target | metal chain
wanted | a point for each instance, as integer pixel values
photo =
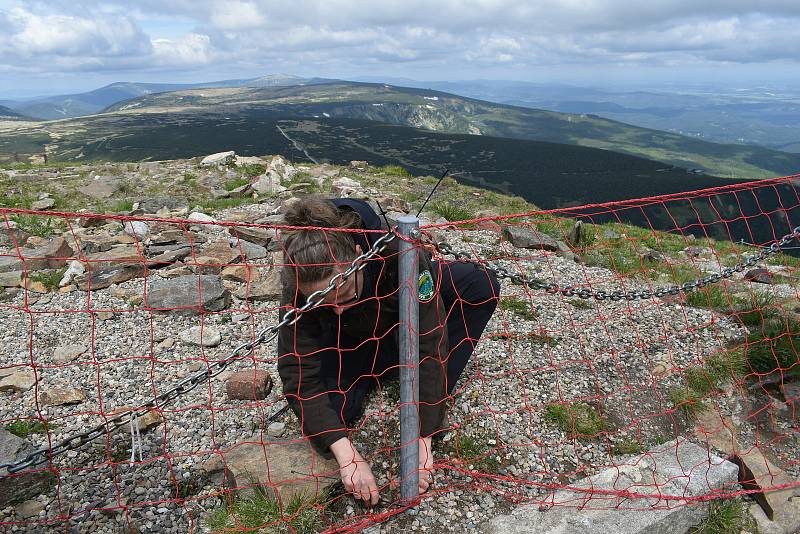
(644, 294)
(266, 335)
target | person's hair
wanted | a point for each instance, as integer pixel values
(311, 254)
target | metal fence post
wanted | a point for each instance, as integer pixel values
(408, 228)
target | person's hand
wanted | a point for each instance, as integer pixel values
(425, 464)
(356, 474)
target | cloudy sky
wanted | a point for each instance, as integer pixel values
(60, 46)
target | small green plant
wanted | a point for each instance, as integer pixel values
(626, 446)
(542, 338)
(476, 451)
(581, 304)
(262, 512)
(518, 306)
(38, 225)
(713, 296)
(577, 419)
(251, 171)
(25, 427)
(122, 205)
(233, 183)
(49, 279)
(394, 170)
(725, 517)
(452, 212)
(190, 180)
(774, 346)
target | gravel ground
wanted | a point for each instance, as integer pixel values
(622, 358)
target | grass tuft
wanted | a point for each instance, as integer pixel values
(49, 279)
(518, 306)
(577, 419)
(233, 183)
(394, 170)
(262, 512)
(725, 517)
(24, 427)
(688, 401)
(452, 212)
(476, 451)
(626, 446)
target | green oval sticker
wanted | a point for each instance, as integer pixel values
(425, 286)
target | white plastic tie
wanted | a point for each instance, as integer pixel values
(136, 439)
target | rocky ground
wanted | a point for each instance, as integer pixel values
(79, 346)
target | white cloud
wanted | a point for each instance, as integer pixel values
(261, 36)
(191, 50)
(234, 15)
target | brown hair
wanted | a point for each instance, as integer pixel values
(311, 255)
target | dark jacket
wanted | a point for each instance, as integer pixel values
(304, 346)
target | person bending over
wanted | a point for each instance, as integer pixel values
(335, 354)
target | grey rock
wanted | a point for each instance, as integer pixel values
(21, 380)
(154, 204)
(62, 396)
(106, 277)
(44, 204)
(74, 270)
(101, 187)
(52, 255)
(169, 256)
(525, 237)
(679, 468)
(259, 236)
(276, 429)
(759, 276)
(139, 229)
(14, 278)
(68, 353)
(220, 158)
(29, 509)
(576, 235)
(201, 336)
(15, 489)
(268, 288)
(189, 295)
(269, 183)
(251, 251)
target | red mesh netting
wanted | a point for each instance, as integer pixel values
(566, 401)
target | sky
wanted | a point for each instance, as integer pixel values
(65, 46)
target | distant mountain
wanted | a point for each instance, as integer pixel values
(763, 116)
(444, 112)
(10, 114)
(82, 104)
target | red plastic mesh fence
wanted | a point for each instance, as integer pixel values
(565, 402)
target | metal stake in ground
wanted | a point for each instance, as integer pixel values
(408, 228)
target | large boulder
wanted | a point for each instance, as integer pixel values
(660, 479)
(19, 487)
(101, 187)
(286, 469)
(220, 158)
(525, 237)
(259, 236)
(108, 276)
(188, 295)
(53, 255)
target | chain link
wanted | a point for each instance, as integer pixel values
(585, 293)
(186, 385)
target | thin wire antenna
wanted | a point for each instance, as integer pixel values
(383, 214)
(446, 172)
